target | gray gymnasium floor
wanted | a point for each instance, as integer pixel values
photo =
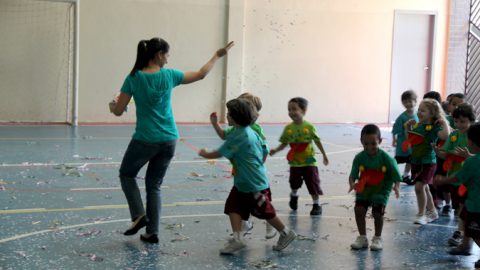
(62, 208)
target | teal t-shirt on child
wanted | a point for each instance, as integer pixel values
(469, 176)
(152, 93)
(399, 130)
(244, 148)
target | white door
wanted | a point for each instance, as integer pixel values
(411, 58)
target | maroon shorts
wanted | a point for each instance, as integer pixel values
(423, 172)
(472, 224)
(257, 204)
(376, 208)
(309, 174)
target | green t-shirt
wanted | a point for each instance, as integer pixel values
(256, 127)
(382, 161)
(152, 93)
(244, 148)
(399, 130)
(455, 139)
(469, 176)
(451, 121)
(424, 153)
(304, 133)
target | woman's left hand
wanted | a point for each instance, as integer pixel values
(223, 51)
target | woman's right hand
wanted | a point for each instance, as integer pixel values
(223, 51)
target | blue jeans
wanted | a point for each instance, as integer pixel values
(158, 156)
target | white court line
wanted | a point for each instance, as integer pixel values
(39, 164)
(20, 236)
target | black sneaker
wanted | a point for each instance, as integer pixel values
(477, 264)
(153, 238)
(446, 211)
(293, 202)
(316, 210)
(407, 180)
(139, 223)
(459, 251)
(456, 239)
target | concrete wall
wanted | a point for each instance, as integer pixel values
(335, 53)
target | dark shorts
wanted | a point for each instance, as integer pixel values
(439, 170)
(423, 172)
(257, 204)
(308, 174)
(403, 159)
(376, 208)
(472, 224)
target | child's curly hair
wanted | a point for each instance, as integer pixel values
(253, 99)
(242, 111)
(435, 108)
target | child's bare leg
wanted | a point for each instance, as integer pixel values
(360, 213)
(408, 168)
(276, 223)
(235, 222)
(315, 198)
(430, 205)
(421, 197)
(378, 220)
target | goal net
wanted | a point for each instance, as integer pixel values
(36, 60)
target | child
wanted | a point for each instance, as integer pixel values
(223, 133)
(301, 157)
(376, 173)
(455, 151)
(431, 126)
(468, 175)
(250, 193)
(453, 101)
(409, 100)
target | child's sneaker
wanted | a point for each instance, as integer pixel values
(284, 240)
(377, 243)
(247, 227)
(460, 251)
(232, 246)
(421, 219)
(293, 202)
(446, 210)
(477, 264)
(456, 239)
(360, 243)
(270, 231)
(316, 210)
(432, 216)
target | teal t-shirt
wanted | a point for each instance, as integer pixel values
(455, 139)
(382, 161)
(256, 127)
(304, 133)
(469, 176)
(399, 130)
(244, 148)
(424, 153)
(152, 93)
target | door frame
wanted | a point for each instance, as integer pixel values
(397, 12)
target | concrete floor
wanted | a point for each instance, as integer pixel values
(61, 207)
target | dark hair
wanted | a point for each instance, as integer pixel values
(473, 134)
(409, 95)
(242, 111)
(300, 101)
(458, 95)
(433, 95)
(146, 50)
(371, 129)
(464, 110)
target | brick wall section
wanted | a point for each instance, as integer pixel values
(457, 45)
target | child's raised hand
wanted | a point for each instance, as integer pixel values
(213, 118)
(462, 151)
(223, 51)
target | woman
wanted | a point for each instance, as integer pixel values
(154, 140)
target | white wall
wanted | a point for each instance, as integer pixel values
(335, 53)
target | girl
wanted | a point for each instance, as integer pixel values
(376, 173)
(431, 126)
(301, 157)
(151, 85)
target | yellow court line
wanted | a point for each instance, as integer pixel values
(175, 204)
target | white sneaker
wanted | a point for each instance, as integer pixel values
(270, 231)
(232, 246)
(284, 240)
(432, 216)
(377, 243)
(360, 243)
(421, 219)
(247, 227)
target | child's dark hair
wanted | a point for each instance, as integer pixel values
(370, 129)
(409, 95)
(300, 101)
(146, 50)
(464, 110)
(242, 111)
(473, 134)
(433, 95)
(458, 95)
